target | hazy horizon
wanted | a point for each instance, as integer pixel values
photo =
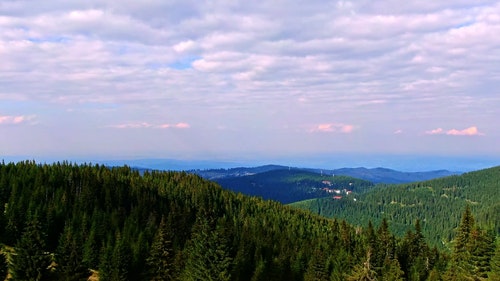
(404, 163)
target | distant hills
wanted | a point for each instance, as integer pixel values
(384, 175)
(375, 175)
(291, 185)
(287, 184)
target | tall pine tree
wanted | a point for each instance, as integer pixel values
(30, 260)
(161, 258)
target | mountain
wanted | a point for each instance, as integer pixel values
(436, 203)
(214, 174)
(384, 175)
(291, 185)
(375, 175)
(287, 184)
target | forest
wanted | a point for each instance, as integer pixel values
(291, 185)
(64, 221)
(437, 203)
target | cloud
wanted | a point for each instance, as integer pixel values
(471, 131)
(177, 126)
(437, 131)
(140, 125)
(398, 132)
(227, 62)
(332, 127)
(20, 119)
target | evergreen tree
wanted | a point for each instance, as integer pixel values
(3, 266)
(121, 260)
(392, 271)
(105, 263)
(317, 270)
(161, 258)
(494, 274)
(68, 257)
(91, 250)
(460, 266)
(30, 260)
(481, 249)
(363, 272)
(207, 254)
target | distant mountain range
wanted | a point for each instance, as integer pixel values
(291, 185)
(375, 175)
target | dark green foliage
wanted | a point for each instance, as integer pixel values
(30, 260)
(473, 250)
(68, 257)
(208, 253)
(3, 266)
(317, 268)
(161, 258)
(363, 272)
(438, 204)
(494, 274)
(120, 223)
(287, 186)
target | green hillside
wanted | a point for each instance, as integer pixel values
(291, 185)
(437, 203)
(66, 222)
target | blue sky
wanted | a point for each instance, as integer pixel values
(244, 80)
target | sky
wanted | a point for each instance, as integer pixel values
(247, 80)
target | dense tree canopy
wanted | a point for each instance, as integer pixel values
(437, 203)
(177, 226)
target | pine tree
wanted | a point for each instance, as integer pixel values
(161, 258)
(494, 274)
(317, 270)
(392, 271)
(3, 266)
(121, 260)
(30, 260)
(460, 267)
(91, 250)
(363, 272)
(69, 257)
(207, 254)
(481, 247)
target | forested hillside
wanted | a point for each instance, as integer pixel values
(292, 185)
(66, 222)
(437, 203)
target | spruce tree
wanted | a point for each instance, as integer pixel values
(69, 257)
(207, 253)
(392, 270)
(494, 274)
(161, 258)
(363, 272)
(317, 268)
(460, 266)
(30, 260)
(3, 266)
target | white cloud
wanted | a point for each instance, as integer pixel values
(14, 120)
(471, 131)
(215, 63)
(139, 125)
(333, 127)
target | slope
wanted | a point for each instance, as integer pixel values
(437, 203)
(291, 185)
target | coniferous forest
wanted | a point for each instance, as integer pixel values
(71, 222)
